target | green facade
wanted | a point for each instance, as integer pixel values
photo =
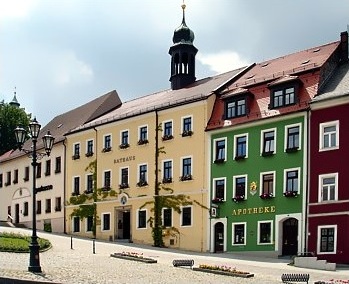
(248, 221)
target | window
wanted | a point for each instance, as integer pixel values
(236, 108)
(38, 207)
(89, 223)
(25, 208)
(15, 176)
(106, 180)
(220, 151)
(48, 168)
(124, 139)
(38, 170)
(124, 178)
(291, 177)
(268, 142)
(143, 175)
(219, 189)
(142, 219)
(143, 135)
(89, 148)
(240, 150)
(239, 233)
(186, 169)
(327, 239)
(76, 153)
(89, 183)
(26, 174)
(329, 135)
(167, 171)
(48, 205)
(167, 131)
(105, 221)
(283, 97)
(187, 126)
(8, 179)
(58, 165)
(239, 188)
(76, 224)
(0, 180)
(167, 217)
(292, 138)
(328, 187)
(268, 183)
(186, 216)
(76, 186)
(107, 143)
(265, 233)
(58, 205)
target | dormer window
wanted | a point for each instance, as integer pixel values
(283, 97)
(284, 92)
(235, 108)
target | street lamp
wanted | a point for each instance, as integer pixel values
(21, 137)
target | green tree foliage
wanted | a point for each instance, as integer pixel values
(11, 116)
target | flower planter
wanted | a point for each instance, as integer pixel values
(291, 194)
(134, 257)
(221, 272)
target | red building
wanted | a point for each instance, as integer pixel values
(328, 207)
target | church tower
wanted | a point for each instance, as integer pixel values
(182, 56)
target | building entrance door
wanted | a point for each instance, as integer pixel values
(17, 213)
(123, 224)
(290, 237)
(219, 237)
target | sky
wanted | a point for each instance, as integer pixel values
(60, 54)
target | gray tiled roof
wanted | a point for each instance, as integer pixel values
(337, 86)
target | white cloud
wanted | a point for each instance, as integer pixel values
(222, 61)
(16, 8)
(69, 69)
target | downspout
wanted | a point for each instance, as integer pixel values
(64, 187)
(306, 211)
(95, 187)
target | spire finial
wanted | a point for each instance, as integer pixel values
(183, 8)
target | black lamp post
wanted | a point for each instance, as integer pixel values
(21, 137)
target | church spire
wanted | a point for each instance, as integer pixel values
(14, 101)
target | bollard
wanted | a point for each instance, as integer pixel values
(94, 246)
(71, 242)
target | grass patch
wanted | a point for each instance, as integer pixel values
(11, 242)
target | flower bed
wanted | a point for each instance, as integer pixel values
(134, 256)
(223, 270)
(332, 281)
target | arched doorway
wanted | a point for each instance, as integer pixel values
(290, 236)
(219, 237)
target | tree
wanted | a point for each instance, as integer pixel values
(11, 116)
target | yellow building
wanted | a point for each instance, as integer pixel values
(124, 144)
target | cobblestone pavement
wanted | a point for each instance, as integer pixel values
(62, 264)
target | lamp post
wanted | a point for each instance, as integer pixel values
(48, 140)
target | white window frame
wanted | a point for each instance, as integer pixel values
(299, 125)
(214, 187)
(318, 245)
(73, 184)
(163, 127)
(271, 232)
(192, 123)
(77, 143)
(299, 179)
(139, 172)
(139, 131)
(137, 219)
(233, 233)
(234, 184)
(73, 223)
(163, 168)
(102, 221)
(86, 181)
(111, 140)
(215, 150)
(191, 165)
(235, 143)
(103, 177)
(163, 221)
(321, 177)
(128, 176)
(262, 139)
(191, 217)
(86, 225)
(128, 132)
(261, 181)
(93, 145)
(321, 134)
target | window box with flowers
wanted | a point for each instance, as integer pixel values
(124, 146)
(134, 256)
(142, 183)
(76, 157)
(268, 154)
(88, 191)
(239, 158)
(167, 180)
(75, 193)
(292, 150)
(217, 200)
(219, 161)
(266, 195)
(142, 142)
(291, 193)
(106, 188)
(187, 133)
(238, 198)
(223, 270)
(167, 137)
(186, 177)
(123, 186)
(89, 154)
(106, 149)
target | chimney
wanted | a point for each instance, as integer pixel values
(344, 47)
